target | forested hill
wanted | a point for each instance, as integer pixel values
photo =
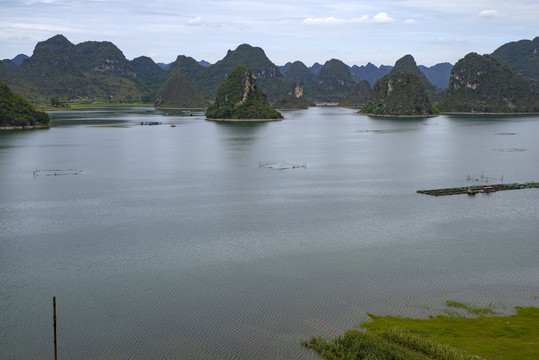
(521, 57)
(485, 84)
(240, 98)
(17, 112)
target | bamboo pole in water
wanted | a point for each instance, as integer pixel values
(54, 324)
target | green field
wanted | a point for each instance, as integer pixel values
(446, 337)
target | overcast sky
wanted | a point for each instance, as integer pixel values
(356, 32)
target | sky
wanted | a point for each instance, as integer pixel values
(354, 31)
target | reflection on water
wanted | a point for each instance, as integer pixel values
(174, 243)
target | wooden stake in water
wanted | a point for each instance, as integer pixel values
(54, 324)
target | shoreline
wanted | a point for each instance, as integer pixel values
(400, 116)
(29, 127)
(488, 113)
(243, 120)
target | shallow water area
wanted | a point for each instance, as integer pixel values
(173, 241)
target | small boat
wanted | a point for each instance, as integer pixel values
(473, 191)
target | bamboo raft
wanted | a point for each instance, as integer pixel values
(472, 190)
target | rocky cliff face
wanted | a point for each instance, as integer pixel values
(294, 99)
(240, 98)
(399, 93)
(485, 84)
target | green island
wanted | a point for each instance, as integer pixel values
(239, 99)
(17, 113)
(455, 335)
(403, 92)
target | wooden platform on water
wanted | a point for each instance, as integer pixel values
(479, 189)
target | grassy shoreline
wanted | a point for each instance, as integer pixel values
(481, 334)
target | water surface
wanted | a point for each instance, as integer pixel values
(173, 243)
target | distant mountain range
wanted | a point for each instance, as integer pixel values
(99, 72)
(96, 71)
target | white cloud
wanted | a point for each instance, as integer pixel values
(489, 14)
(382, 18)
(409, 22)
(323, 21)
(195, 21)
(362, 20)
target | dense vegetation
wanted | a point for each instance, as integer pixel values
(521, 57)
(358, 96)
(485, 84)
(15, 111)
(399, 93)
(407, 64)
(443, 337)
(294, 99)
(63, 74)
(239, 98)
(206, 80)
(298, 70)
(150, 77)
(62, 70)
(334, 82)
(177, 92)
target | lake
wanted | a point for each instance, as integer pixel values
(178, 243)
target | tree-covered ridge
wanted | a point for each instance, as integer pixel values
(359, 95)
(298, 70)
(369, 72)
(206, 80)
(15, 111)
(294, 99)
(407, 63)
(177, 92)
(149, 76)
(399, 93)
(520, 56)
(333, 82)
(485, 84)
(89, 70)
(240, 98)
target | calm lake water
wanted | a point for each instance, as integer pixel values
(172, 243)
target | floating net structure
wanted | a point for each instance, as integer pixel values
(283, 165)
(57, 172)
(484, 178)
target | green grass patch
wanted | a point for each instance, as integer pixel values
(488, 310)
(441, 337)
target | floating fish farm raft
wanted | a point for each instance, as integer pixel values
(472, 190)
